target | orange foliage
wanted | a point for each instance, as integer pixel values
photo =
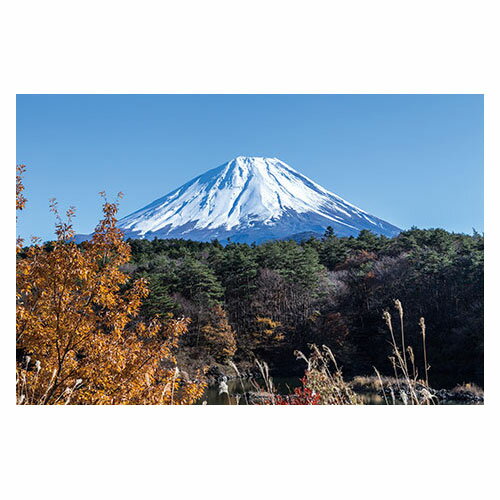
(79, 338)
(20, 199)
(218, 334)
(268, 330)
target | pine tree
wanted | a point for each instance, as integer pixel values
(198, 283)
(329, 233)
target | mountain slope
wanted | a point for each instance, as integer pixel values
(249, 199)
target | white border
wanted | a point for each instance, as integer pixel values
(257, 47)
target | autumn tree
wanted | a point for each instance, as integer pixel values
(263, 334)
(20, 199)
(79, 339)
(218, 335)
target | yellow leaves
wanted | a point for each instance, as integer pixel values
(20, 199)
(219, 335)
(267, 323)
(75, 317)
(269, 329)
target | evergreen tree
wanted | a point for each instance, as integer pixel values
(329, 233)
(198, 283)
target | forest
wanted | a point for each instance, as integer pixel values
(266, 301)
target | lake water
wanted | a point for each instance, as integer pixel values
(284, 385)
(237, 389)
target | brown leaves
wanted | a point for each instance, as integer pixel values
(75, 320)
(20, 199)
(219, 335)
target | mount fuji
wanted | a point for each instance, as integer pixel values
(250, 199)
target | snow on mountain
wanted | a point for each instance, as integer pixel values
(249, 199)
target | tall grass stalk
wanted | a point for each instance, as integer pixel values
(268, 381)
(426, 366)
(411, 390)
(399, 307)
(235, 368)
(324, 378)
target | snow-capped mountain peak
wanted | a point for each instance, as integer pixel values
(249, 199)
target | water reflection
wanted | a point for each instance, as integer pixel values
(238, 391)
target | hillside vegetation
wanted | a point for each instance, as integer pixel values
(266, 301)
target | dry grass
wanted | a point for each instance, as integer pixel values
(468, 388)
(238, 374)
(323, 382)
(31, 389)
(324, 377)
(407, 388)
(373, 383)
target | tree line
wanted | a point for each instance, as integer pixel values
(266, 301)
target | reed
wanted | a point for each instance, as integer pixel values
(411, 389)
(426, 366)
(323, 382)
(238, 374)
(399, 307)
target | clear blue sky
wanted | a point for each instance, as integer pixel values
(413, 160)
